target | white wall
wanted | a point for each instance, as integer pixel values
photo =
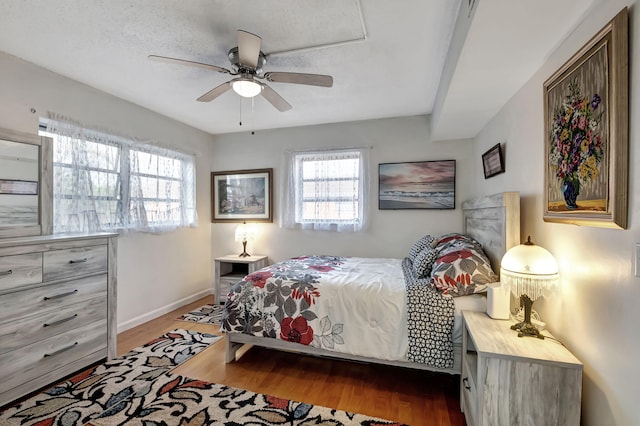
(596, 310)
(155, 272)
(390, 232)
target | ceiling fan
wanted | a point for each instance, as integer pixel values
(247, 61)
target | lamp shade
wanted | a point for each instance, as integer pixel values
(245, 87)
(529, 270)
(245, 232)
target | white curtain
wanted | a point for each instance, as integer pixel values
(104, 182)
(326, 190)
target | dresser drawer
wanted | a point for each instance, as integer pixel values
(51, 297)
(21, 269)
(74, 262)
(30, 362)
(20, 332)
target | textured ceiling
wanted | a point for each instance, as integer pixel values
(386, 58)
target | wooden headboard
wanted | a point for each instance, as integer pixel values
(494, 221)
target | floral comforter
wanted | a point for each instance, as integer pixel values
(345, 304)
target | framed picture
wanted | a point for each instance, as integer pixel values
(18, 187)
(242, 195)
(492, 161)
(586, 133)
(417, 185)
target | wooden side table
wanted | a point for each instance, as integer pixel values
(510, 380)
(231, 269)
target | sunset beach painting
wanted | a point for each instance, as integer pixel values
(417, 185)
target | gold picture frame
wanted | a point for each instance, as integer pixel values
(242, 195)
(586, 128)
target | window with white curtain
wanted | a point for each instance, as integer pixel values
(327, 190)
(104, 182)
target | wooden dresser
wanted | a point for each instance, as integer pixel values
(57, 308)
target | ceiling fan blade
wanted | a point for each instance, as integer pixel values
(248, 48)
(300, 78)
(215, 92)
(274, 99)
(189, 63)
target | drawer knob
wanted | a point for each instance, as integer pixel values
(57, 296)
(78, 260)
(59, 351)
(9, 272)
(465, 382)
(49, 324)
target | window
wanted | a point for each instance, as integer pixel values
(327, 190)
(107, 183)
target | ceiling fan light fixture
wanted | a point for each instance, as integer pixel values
(247, 88)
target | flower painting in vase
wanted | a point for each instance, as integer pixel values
(586, 132)
(576, 149)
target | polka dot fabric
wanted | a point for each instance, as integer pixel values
(429, 321)
(423, 262)
(420, 245)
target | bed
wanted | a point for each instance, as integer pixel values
(401, 314)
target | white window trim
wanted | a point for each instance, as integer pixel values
(125, 222)
(292, 194)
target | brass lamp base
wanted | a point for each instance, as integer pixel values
(244, 250)
(525, 328)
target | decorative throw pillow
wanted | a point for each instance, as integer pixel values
(419, 245)
(461, 271)
(424, 262)
(448, 241)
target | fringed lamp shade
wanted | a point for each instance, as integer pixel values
(530, 271)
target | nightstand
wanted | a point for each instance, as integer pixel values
(510, 380)
(232, 268)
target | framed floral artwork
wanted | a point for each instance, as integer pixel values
(586, 133)
(242, 195)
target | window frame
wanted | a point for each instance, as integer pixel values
(295, 214)
(124, 221)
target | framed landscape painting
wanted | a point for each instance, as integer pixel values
(242, 195)
(586, 133)
(417, 185)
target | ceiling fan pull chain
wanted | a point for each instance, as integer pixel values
(252, 115)
(240, 110)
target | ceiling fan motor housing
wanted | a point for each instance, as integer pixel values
(234, 58)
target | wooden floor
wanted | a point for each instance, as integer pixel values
(407, 396)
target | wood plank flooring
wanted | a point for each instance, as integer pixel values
(407, 396)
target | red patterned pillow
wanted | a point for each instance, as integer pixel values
(462, 270)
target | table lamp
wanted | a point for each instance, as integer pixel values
(530, 271)
(245, 233)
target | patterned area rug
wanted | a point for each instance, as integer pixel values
(207, 314)
(139, 389)
(108, 387)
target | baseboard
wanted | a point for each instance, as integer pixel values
(161, 311)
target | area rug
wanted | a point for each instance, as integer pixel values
(107, 386)
(139, 389)
(207, 314)
(178, 400)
